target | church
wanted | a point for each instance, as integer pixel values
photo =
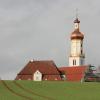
(48, 71)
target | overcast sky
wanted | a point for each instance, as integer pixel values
(40, 30)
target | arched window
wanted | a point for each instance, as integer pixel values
(74, 62)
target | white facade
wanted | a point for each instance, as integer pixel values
(37, 76)
(76, 61)
(76, 47)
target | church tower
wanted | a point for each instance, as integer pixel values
(77, 56)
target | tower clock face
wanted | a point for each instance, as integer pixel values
(76, 26)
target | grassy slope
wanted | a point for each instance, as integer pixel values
(51, 91)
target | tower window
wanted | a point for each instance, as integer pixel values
(81, 44)
(81, 52)
(74, 62)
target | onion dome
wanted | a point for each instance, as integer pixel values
(77, 35)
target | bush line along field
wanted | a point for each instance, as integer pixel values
(46, 90)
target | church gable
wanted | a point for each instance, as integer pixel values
(37, 76)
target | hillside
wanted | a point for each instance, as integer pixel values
(30, 90)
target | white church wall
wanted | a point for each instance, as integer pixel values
(76, 47)
(76, 61)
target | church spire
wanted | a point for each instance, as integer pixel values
(77, 56)
(76, 21)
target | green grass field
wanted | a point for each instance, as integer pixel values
(30, 90)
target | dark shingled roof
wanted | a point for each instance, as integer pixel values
(45, 67)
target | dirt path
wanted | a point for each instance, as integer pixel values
(30, 91)
(15, 93)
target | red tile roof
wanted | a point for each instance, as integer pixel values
(74, 73)
(73, 70)
(45, 67)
